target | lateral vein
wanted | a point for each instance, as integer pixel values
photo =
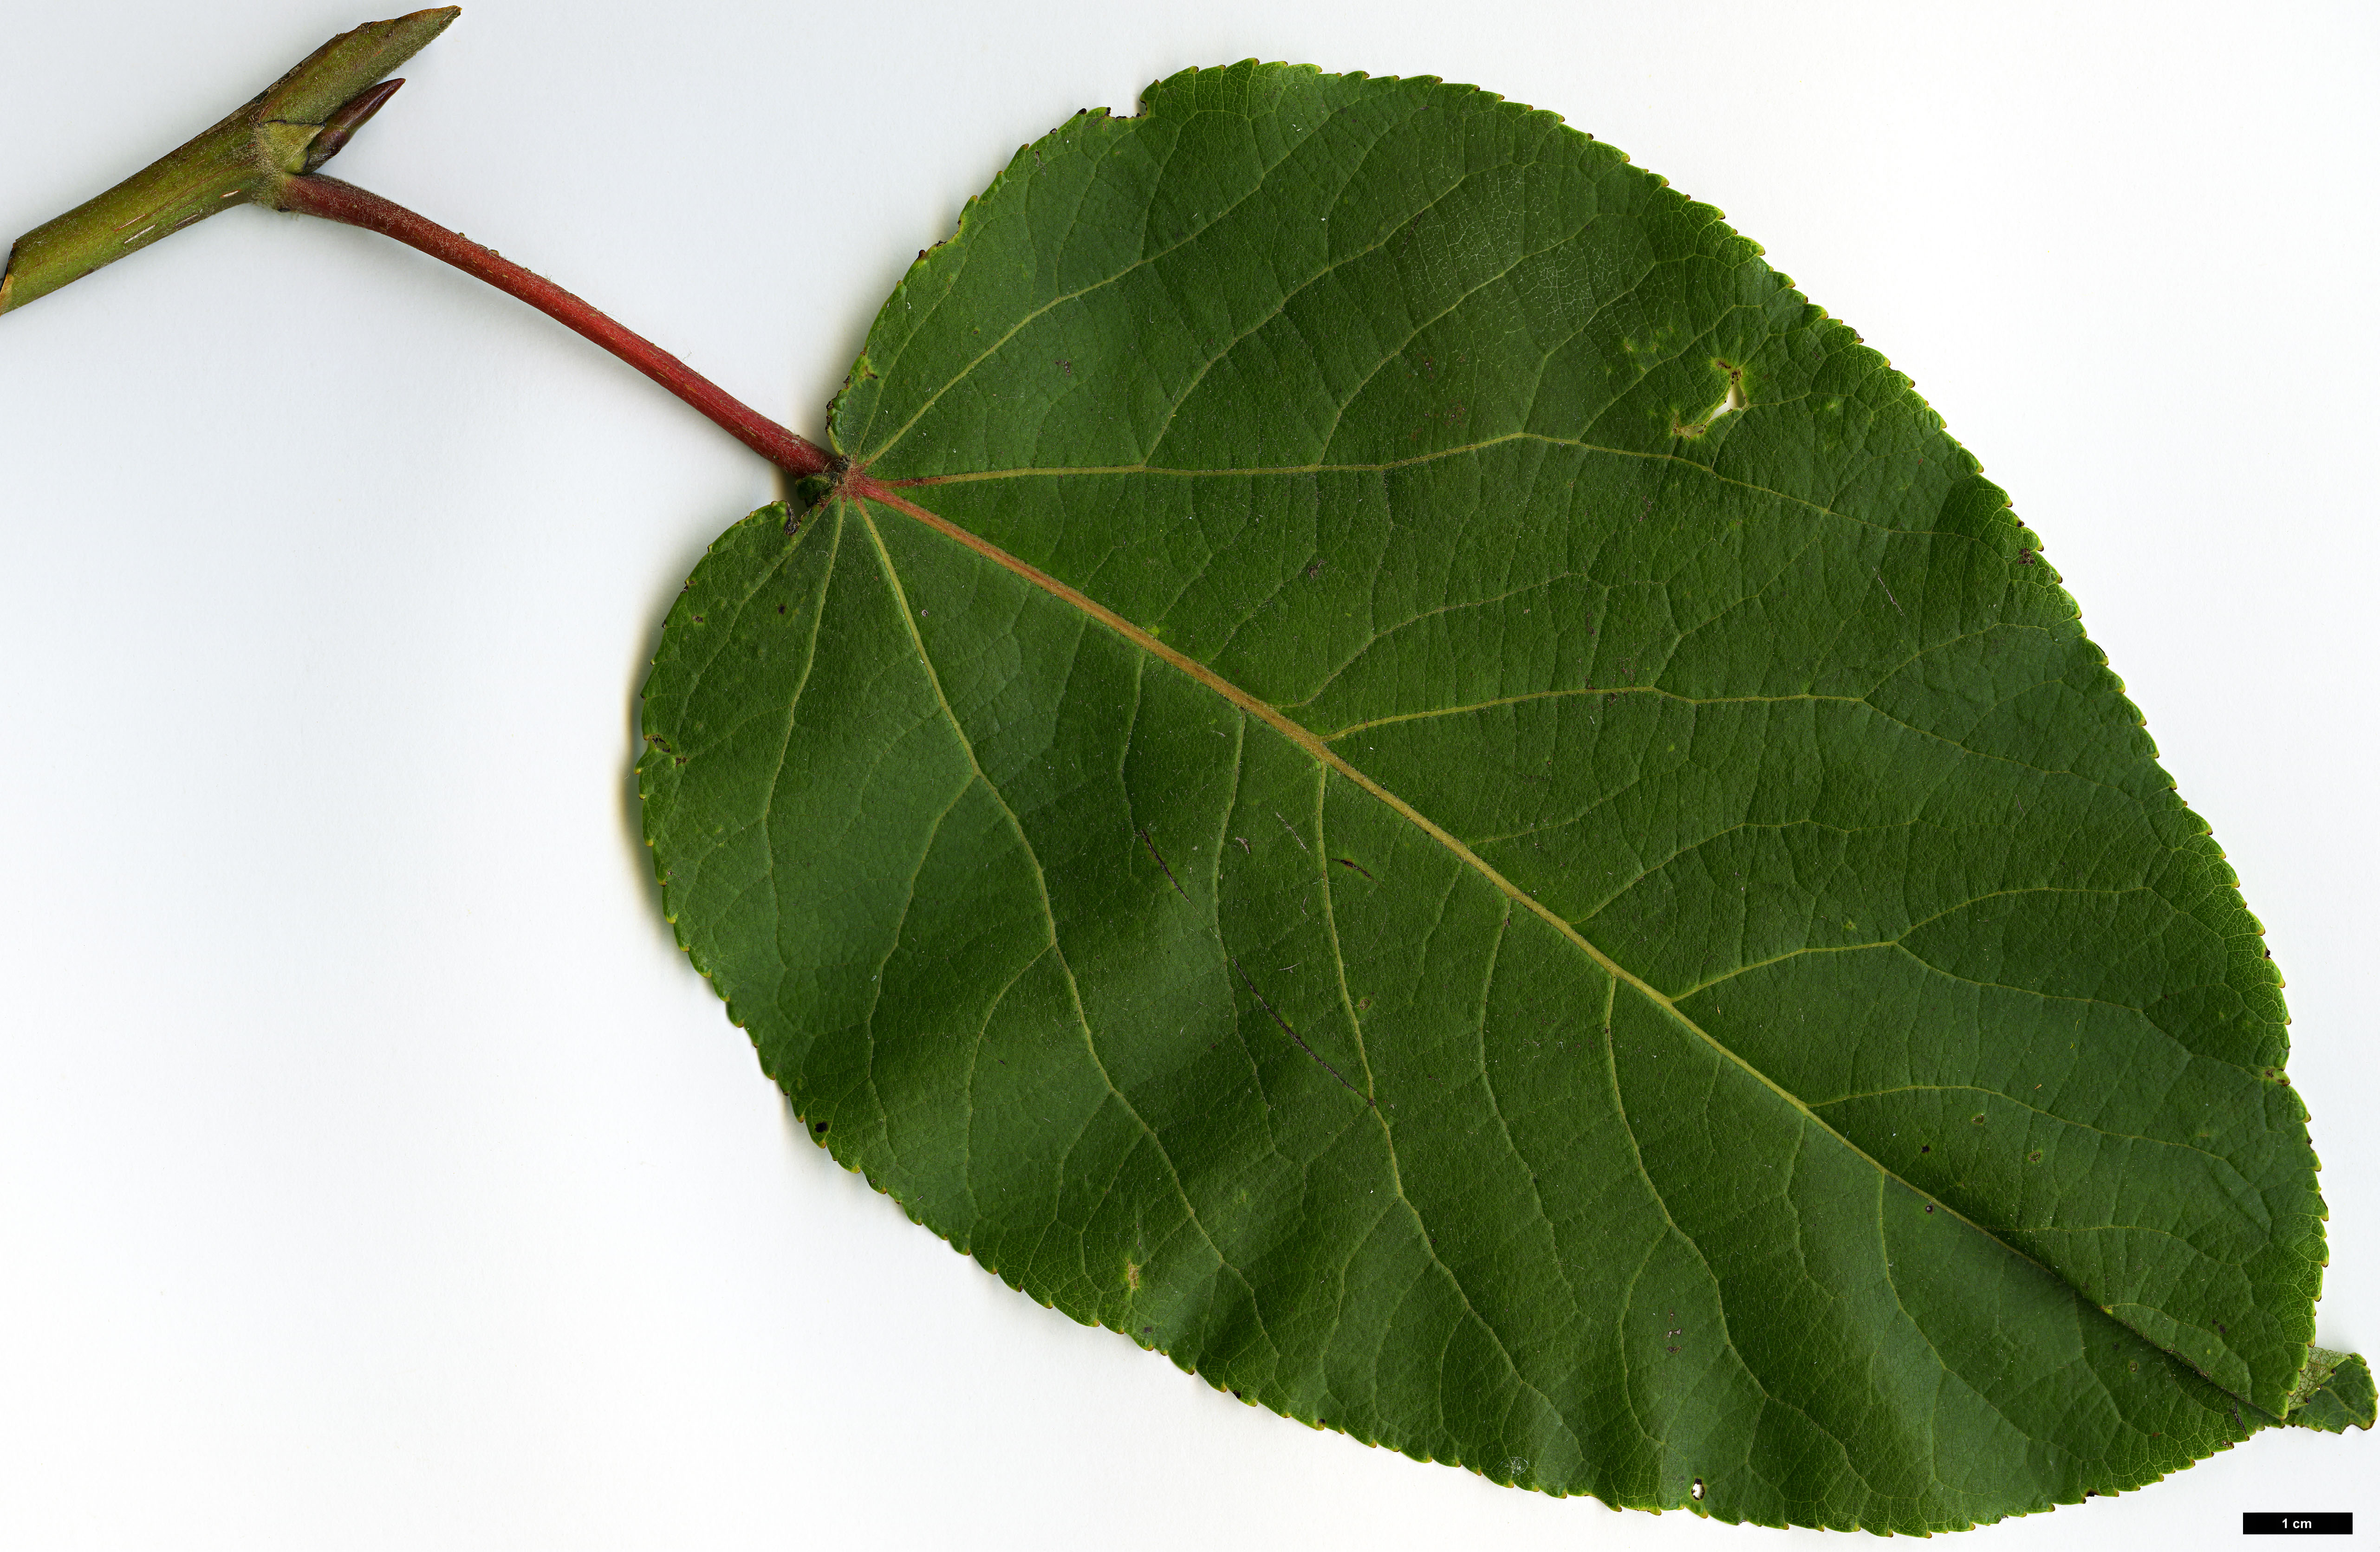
(866, 489)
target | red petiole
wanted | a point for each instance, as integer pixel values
(334, 200)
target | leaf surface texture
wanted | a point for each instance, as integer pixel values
(1404, 776)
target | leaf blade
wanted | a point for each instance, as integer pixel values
(1836, 719)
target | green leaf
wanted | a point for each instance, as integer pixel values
(1397, 771)
(2334, 1393)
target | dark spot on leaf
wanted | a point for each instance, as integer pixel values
(1926, 1147)
(1979, 1119)
(1351, 862)
(2034, 1158)
(1929, 1206)
(818, 1127)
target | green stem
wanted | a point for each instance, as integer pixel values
(292, 126)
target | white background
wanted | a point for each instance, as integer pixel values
(373, 1171)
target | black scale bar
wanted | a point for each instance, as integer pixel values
(2297, 1524)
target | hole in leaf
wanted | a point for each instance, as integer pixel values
(1732, 402)
(1698, 1489)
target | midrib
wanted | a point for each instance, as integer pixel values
(860, 486)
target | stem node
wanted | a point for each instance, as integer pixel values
(292, 126)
